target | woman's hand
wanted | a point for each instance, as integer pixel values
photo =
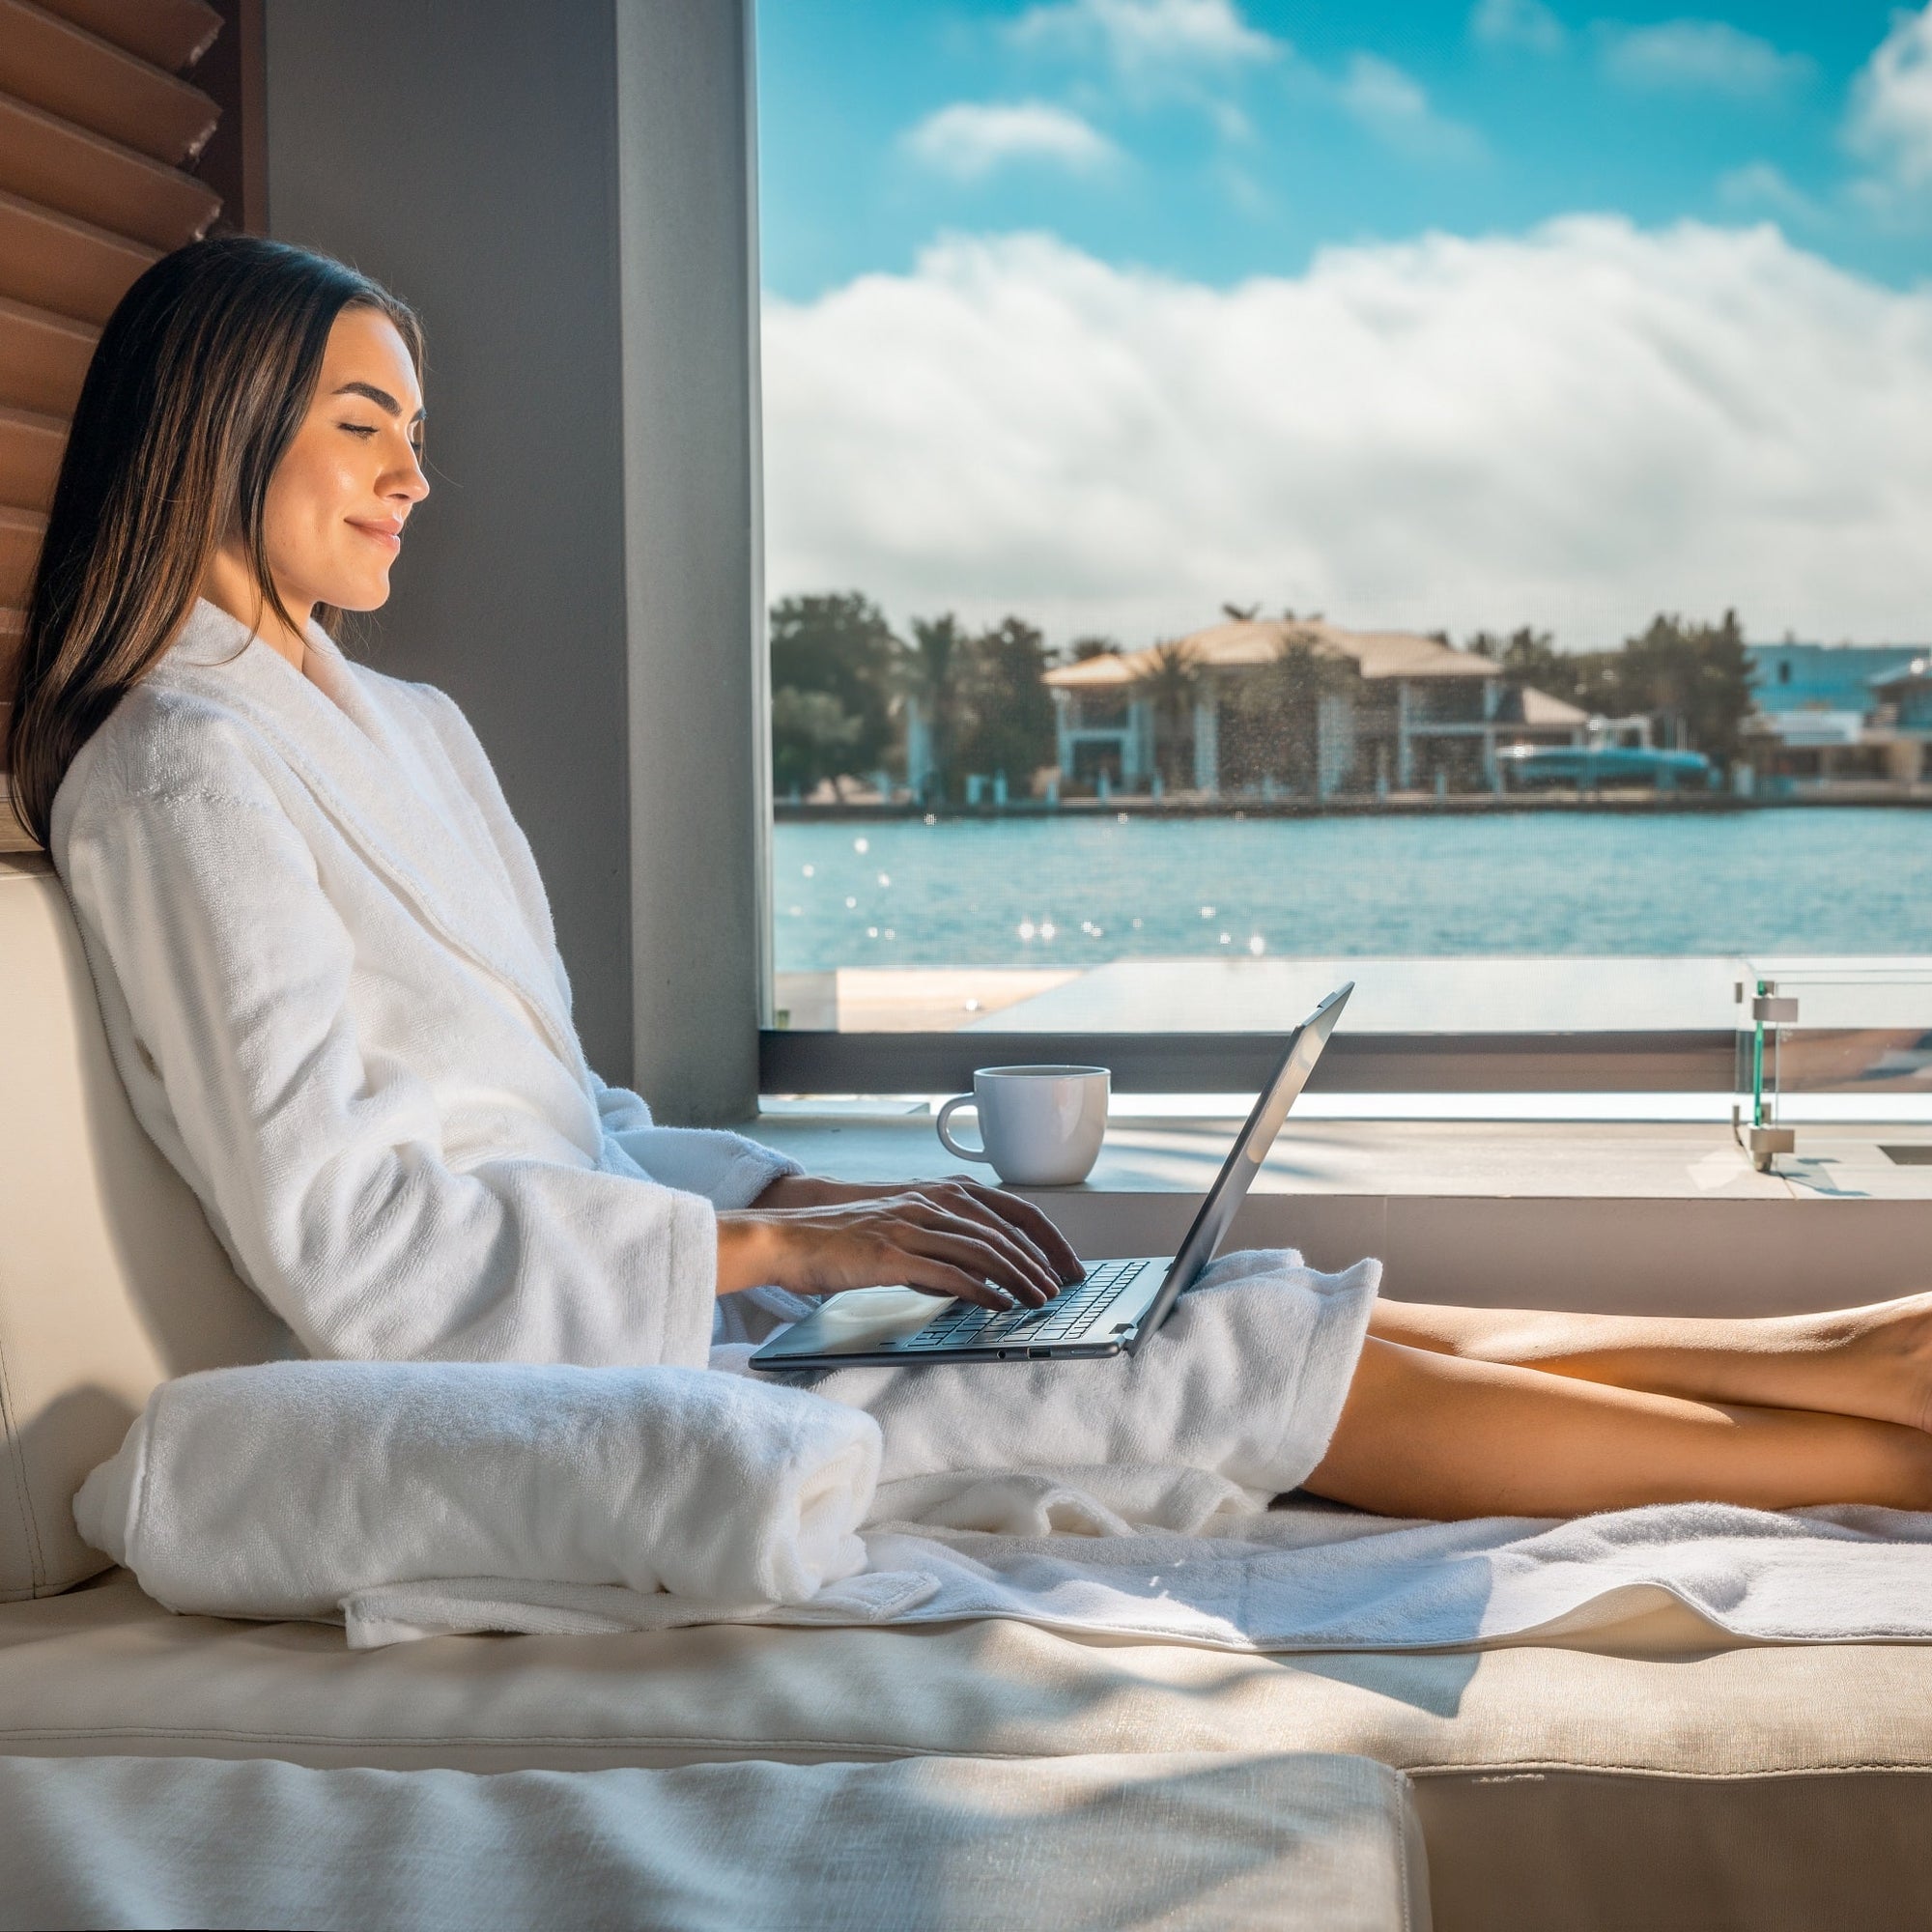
(946, 1238)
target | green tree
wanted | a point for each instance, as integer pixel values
(934, 671)
(1007, 722)
(1594, 680)
(839, 644)
(1695, 681)
(813, 738)
(1275, 713)
(1170, 679)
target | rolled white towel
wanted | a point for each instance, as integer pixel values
(280, 1491)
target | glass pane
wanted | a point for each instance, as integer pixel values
(1259, 495)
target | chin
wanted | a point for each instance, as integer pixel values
(362, 595)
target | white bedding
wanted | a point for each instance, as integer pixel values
(1306, 1578)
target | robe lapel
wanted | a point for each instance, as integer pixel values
(369, 777)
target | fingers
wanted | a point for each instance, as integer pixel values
(951, 1239)
(1013, 1262)
(1012, 1211)
(937, 1277)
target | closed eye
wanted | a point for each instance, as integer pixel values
(358, 429)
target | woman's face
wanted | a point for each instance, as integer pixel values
(346, 484)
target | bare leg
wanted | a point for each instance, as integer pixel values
(1428, 1434)
(1874, 1362)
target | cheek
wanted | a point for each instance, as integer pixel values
(307, 541)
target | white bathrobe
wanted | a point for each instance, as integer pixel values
(331, 987)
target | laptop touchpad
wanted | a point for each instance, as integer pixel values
(870, 1318)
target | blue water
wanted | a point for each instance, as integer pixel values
(1076, 891)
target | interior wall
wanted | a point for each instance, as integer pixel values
(462, 152)
(563, 191)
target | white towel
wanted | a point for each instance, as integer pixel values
(281, 1491)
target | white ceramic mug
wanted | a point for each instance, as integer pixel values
(1042, 1126)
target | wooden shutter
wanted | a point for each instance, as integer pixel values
(99, 136)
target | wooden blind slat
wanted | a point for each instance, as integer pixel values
(63, 167)
(173, 34)
(67, 72)
(21, 533)
(51, 261)
(13, 836)
(43, 359)
(30, 454)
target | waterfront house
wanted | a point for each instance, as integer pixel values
(1384, 710)
(1839, 714)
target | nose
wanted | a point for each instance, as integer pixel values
(408, 486)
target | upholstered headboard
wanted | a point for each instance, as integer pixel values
(110, 1280)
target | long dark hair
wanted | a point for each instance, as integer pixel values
(202, 376)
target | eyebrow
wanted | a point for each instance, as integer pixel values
(381, 398)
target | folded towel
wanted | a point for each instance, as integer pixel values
(458, 1605)
(280, 1491)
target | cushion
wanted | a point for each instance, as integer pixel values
(1272, 1843)
(110, 1280)
(1669, 1781)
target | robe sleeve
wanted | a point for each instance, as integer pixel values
(728, 1170)
(321, 1165)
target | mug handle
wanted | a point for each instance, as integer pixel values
(946, 1140)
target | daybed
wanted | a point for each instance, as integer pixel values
(1664, 1778)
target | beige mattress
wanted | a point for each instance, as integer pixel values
(1138, 1842)
(1658, 1779)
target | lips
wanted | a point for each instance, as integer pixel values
(384, 531)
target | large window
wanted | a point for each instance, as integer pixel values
(1260, 492)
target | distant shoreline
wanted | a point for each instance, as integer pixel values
(1468, 805)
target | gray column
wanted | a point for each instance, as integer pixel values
(700, 763)
(563, 192)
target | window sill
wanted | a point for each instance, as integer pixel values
(1640, 1218)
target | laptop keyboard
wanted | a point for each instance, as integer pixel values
(1071, 1315)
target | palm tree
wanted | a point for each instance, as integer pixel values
(1170, 680)
(1277, 710)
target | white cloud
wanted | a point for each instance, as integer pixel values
(1761, 185)
(1576, 427)
(1891, 104)
(1142, 38)
(970, 139)
(1516, 23)
(1393, 105)
(1708, 55)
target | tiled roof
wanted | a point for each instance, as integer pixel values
(1378, 654)
(1539, 709)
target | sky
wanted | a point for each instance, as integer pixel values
(1459, 315)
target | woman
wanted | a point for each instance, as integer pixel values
(327, 969)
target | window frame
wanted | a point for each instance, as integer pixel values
(804, 1062)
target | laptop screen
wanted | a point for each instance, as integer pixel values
(1256, 1136)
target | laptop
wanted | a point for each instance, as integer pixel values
(1111, 1312)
